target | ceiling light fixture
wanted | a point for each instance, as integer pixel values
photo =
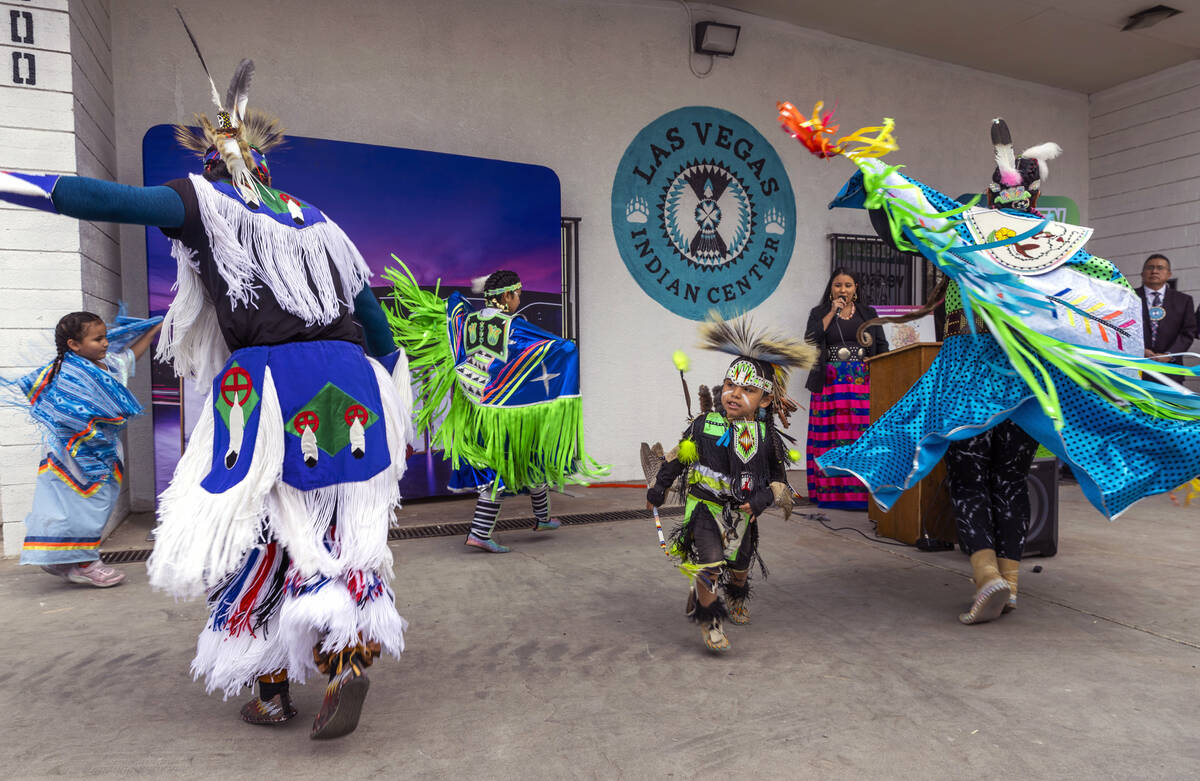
(1149, 17)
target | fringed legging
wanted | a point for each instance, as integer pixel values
(986, 476)
(487, 508)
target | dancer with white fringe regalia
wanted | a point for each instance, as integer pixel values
(504, 395)
(280, 507)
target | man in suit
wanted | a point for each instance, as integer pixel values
(1168, 316)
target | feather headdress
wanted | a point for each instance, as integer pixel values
(238, 133)
(1028, 169)
(739, 338)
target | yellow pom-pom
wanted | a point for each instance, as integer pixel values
(793, 455)
(688, 453)
(681, 360)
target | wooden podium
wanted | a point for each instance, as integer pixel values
(925, 506)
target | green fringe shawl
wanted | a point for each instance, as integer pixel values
(1030, 351)
(527, 446)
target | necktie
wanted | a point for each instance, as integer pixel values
(1153, 322)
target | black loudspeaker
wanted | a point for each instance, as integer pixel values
(1042, 537)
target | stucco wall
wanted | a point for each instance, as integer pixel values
(567, 84)
(1144, 151)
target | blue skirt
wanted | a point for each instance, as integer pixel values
(68, 515)
(1119, 455)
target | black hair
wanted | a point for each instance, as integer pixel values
(498, 279)
(826, 303)
(70, 327)
(1160, 256)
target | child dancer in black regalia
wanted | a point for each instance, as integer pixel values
(734, 464)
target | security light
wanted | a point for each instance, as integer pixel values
(1149, 17)
(718, 39)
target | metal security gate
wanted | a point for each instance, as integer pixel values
(887, 277)
(570, 230)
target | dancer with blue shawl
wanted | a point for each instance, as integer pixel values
(81, 403)
(1040, 333)
(500, 395)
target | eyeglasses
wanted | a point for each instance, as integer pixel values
(1157, 268)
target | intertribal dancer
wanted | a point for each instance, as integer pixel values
(502, 297)
(734, 466)
(279, 508)
(1060, 353)
(502, 393)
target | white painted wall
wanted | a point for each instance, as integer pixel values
(567, 84)
(1144, 151)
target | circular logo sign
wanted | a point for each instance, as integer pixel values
(702, 211)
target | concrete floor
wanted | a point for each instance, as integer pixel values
(569, 658)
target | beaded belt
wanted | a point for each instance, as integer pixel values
(956, 325)
(848, 352)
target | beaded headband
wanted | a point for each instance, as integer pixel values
(743, 372)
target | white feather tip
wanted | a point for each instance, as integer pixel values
(1046, 151)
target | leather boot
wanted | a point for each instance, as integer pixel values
(1008, 570)
(991, 590)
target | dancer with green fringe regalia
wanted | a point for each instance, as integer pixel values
(1047, 336)
(500, 395)
(734, 466)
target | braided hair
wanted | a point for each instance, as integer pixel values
(70, 327)
(496, 280)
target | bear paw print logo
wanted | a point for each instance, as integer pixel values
(637, 211)
(776, 223)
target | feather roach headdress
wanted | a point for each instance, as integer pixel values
(763, 360)
(241, 138)
(1018, 178)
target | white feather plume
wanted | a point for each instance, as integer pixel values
(1042, 152)
(1047, 151)
(478, 284)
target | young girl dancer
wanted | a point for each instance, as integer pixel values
(81, 403)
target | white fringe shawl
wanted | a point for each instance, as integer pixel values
(191, 340)
(201, 536)
(250, 247)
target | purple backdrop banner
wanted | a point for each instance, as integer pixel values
(449, 217)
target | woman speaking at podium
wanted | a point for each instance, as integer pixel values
(840, 384)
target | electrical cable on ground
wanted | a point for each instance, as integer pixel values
(824, 521)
